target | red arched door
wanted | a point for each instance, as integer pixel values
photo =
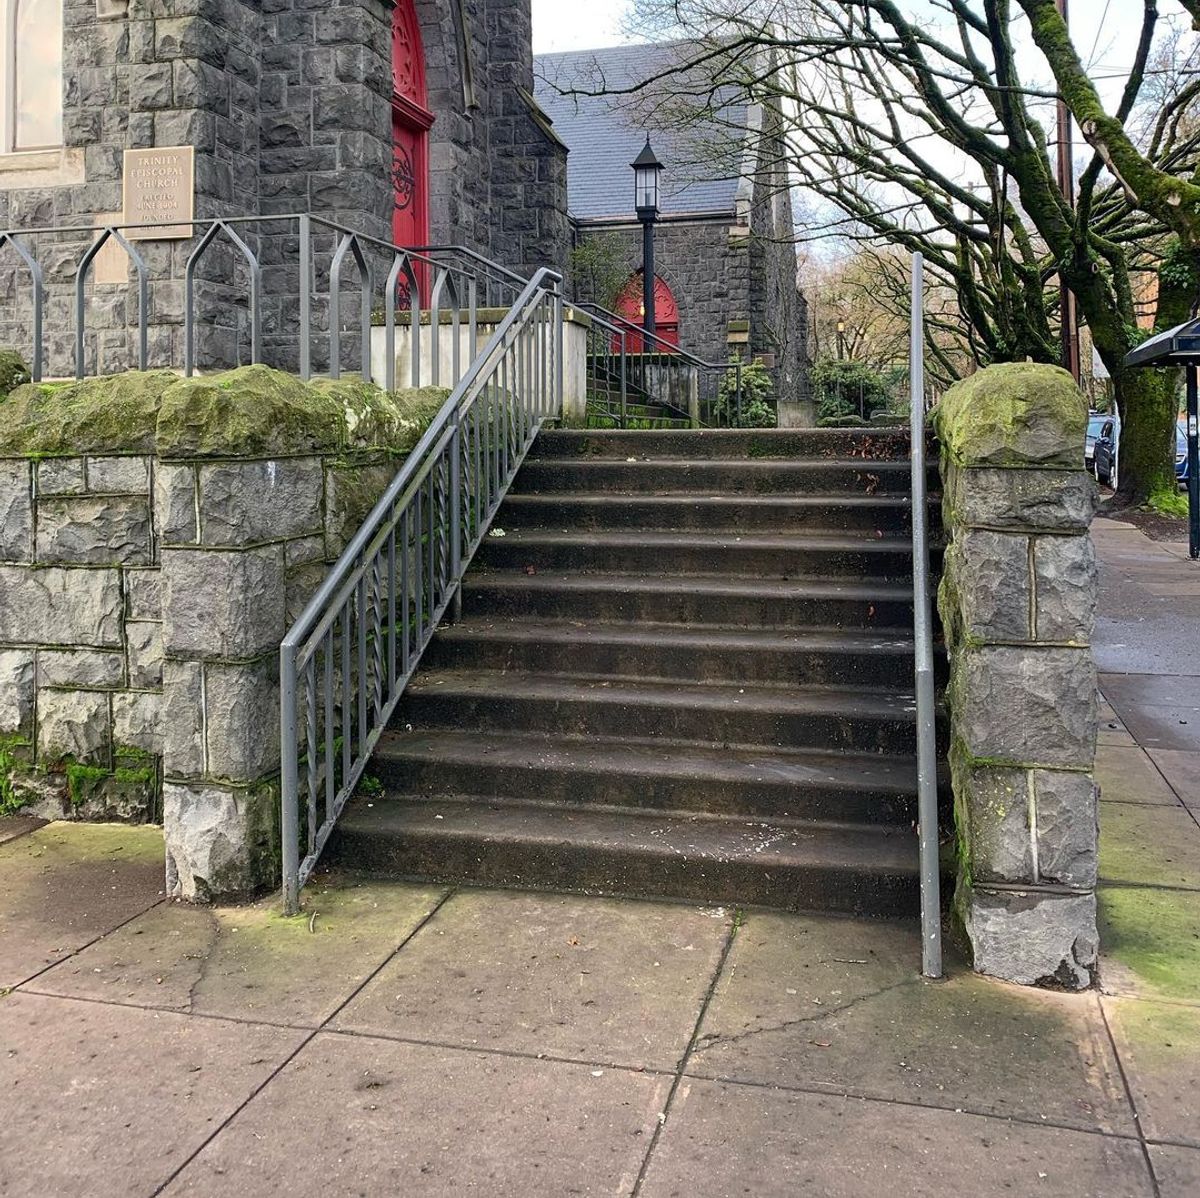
(666, 315)
(411, 121)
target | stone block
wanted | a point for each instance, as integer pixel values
(1067, 807)
(241, 704)
(175, 504)
(57, 606)
(351, 491)
(243, 503)
(221, 842)
(1066, 582)
(119, 475)
(1025, 705)
(182, 719)
(17, 690)
(144, 640)
(143, 593)
(993, 813)
(990, 577)
(61, 476)
(219, 604)
(16, 511)
(94, 530)
(136, 722)
(1031, 937)
(93, 669)
(1046, 500)
(74, 724)
(129, 795)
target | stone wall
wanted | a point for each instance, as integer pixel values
(159, 537)
(1018, 602)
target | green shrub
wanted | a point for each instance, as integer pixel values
(848, 389)
(757, 407)
(840, 422)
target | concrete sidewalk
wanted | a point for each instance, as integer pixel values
(408, 1040)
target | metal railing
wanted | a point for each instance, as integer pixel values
(345, 663)
(642, 375)
(441, 286)
(927, 784)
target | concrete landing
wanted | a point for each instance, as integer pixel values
(415, 1040)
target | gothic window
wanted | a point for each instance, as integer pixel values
(32, 68)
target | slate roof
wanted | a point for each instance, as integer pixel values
(604, 136)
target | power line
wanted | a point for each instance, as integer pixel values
(1099, 31)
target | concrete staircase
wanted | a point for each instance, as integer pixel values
(684, 669)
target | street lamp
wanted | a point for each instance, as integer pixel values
(646, 172)
(1180, 346)
(841, 331)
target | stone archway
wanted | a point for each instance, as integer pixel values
(411, 122)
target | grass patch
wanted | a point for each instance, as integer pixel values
(1168, 501)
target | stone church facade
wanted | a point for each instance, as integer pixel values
(414, 118)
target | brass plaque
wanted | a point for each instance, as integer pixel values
(160, 185)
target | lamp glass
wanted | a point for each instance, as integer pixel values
(645, 186)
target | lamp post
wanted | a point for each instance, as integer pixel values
(841, 332)
(646, 172)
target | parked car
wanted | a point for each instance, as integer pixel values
(1105, 451)
(1094, 425)
(1181, 462)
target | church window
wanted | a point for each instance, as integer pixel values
(32, 67)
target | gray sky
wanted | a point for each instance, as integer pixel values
(589, 24)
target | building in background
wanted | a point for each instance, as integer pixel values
(725, 257)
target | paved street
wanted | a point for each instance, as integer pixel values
(412, 1040)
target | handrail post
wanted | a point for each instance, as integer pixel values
(289, 798)
(927, 797)
(305, 297)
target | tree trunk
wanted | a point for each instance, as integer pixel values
(1148, 401)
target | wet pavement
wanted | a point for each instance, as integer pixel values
(414, 1040)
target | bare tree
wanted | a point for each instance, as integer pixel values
(919, 126)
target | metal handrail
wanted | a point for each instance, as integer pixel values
(454, 275)
(927, 797)
(624, 327)
(403, 569)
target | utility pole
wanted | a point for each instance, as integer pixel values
(1066, 183)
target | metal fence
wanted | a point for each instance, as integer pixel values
(346, 661)
(284, 288)
(636, 377)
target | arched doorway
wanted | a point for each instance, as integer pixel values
(666, 314)
(411, 121)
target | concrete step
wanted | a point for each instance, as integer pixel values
(699, 654)
(715, 513)
(728, 601)
(713, 476)
(850, 868)
(757, 555)
(866, 721)
(869, 445)
(537, 769)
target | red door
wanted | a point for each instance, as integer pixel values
(632, 310)
(411, 121)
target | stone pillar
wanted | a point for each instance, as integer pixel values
(1018, 602)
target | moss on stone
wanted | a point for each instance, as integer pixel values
(112, 414)
(1017, 414)
(13, 371)
(1153, 934)
(82, 781)
(252, 411)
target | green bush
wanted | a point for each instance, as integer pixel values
(840, 422)
(757, 407)
(848, 389)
